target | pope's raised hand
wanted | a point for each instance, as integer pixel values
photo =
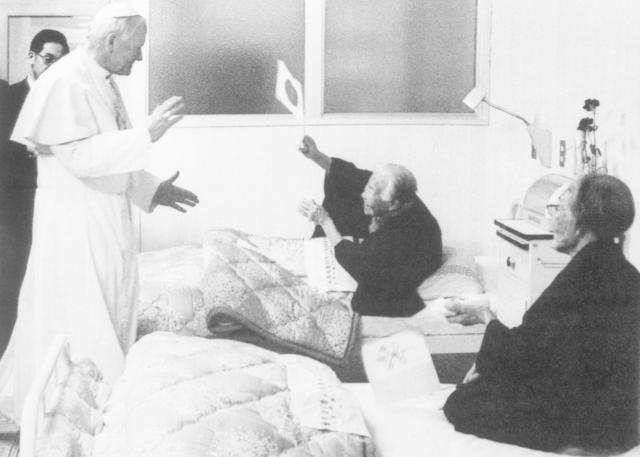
(164, 116)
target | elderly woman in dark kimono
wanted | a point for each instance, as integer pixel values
(567, 378)
(396, 240)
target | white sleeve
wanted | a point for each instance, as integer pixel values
(113, 152)
(142, 187)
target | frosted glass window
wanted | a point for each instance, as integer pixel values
(221, 55)
(399, 56)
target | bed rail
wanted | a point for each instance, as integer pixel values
(55, 368)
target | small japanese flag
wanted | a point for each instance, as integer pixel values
(284, 76)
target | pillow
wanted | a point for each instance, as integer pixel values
(170, 298)
(457, 275)
(171, 307)
(179, 265)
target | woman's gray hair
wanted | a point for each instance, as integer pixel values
(604, 205)
(401, 184)
(102, 26)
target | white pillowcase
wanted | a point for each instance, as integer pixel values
(456, 276)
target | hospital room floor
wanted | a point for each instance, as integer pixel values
(451, 368)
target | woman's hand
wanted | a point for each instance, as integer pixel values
(318, 215)
(310, 151)
(471, 375)
(308, 147)
(314, 212)
(470, 310)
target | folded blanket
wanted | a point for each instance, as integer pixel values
(241, 286)
(196, 397)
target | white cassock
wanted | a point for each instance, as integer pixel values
(81, 278)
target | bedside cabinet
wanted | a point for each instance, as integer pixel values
(526, 266)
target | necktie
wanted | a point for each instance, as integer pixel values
(121, 113)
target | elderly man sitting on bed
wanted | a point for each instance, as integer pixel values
(567, 377)
(396, 241)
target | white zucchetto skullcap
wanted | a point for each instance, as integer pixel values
(115, 10)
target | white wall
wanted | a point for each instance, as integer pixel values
(546, 58)
(253, 178)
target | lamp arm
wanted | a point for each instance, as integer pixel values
(500, 108)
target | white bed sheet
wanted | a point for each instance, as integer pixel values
(418, 428)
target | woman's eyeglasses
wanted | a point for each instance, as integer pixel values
(554, 209)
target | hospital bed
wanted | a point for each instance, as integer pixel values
(185, 290)
(192, 397)
(65, 414)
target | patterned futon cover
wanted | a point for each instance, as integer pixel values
(259, 282)
(192, 397)
(229, 284)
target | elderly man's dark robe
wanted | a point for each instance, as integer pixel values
(390, 263)
(568, 376)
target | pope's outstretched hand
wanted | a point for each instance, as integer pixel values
(173, 196)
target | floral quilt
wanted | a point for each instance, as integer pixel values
(237, 282)
(242, 286)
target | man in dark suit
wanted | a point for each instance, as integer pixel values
(18, 180)
(4, 116)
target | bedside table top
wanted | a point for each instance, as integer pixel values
(523, 229)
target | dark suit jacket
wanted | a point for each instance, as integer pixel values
(18, 168)
(4, 113)
(17, 190)
(568, 376)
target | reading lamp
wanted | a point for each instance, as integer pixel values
(540, 138)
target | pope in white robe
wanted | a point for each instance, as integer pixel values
(81, 278)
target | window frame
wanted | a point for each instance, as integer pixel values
(60, 8)
(314, 84)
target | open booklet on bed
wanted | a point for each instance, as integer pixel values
(323, 270)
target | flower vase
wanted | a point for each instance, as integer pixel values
(581, 159)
